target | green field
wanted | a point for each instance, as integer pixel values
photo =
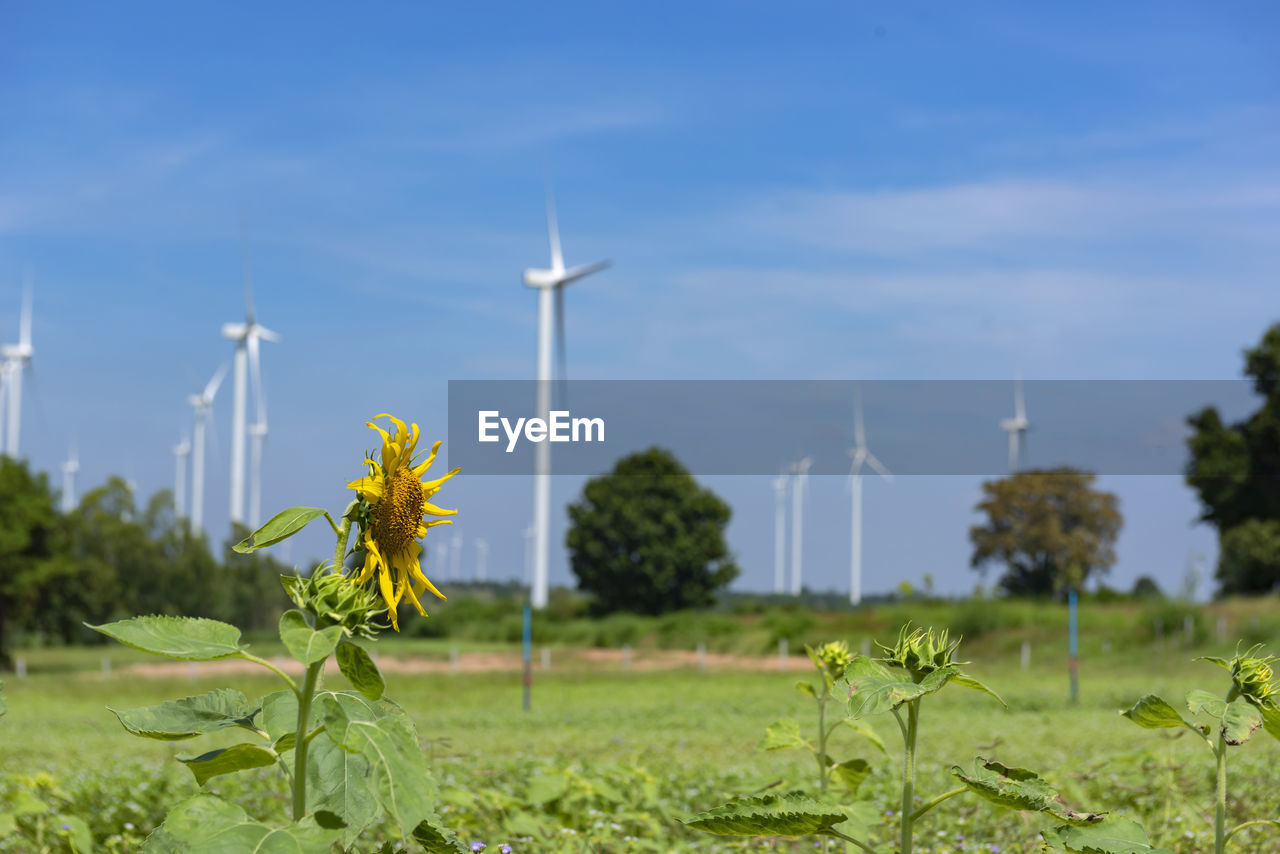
(608, 759)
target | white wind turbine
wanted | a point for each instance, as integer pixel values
(258, 433)
(860, 455)
(70, 469)
(550, 284)
(780, 534)
(800, 476)
(248, 337)
(181, 452)
(482, 558)
(455, 557)
(203, 405)
(1016, 427)
(17, 360)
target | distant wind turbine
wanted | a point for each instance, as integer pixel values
(860, 455)
(17, 361)
(455, 557)
(550, 284)
(482, 558)
(1017, 427)
(247, 337)
(70, 469)
(202, 403)
(780, 534)
(799, 477)
(181, 452)
(527, 533)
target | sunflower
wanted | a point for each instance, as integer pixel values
(398, 501)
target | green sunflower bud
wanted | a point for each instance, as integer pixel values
(334, 600)
(921, 651)
(1253, 676)
(835, 658)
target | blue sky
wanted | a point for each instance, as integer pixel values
(815, 191)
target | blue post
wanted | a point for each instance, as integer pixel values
(1073, 646)
(528, 655)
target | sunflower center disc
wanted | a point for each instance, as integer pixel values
(396, 518)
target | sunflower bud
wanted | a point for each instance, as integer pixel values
(1252, 677)
(835, 658)
(921, 651)
(334, 600)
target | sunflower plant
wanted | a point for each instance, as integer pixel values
(920, 663)
(350, 758)
(1252, 702)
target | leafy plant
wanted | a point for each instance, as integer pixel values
(1250, 704)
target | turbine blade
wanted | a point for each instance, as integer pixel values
(247, 274)
(878, 467)
(553, 231)
(212, 388)
(24, 331)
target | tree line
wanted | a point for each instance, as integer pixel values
(111, 558)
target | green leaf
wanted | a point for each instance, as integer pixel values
(768, 815)
(864, 729)
(384, 736)
(183, 638)
(1152, 712)
(279, 719)
(206, 824)
(1240, 722)
(435, 839)
(1271, 720)
(360, 670)
(936, 679)
(77, 833)
(852, 773)
(1019, 789)
(807, 688)
(1202, 702)
(228, 760)
(783, 735)
(1114, 836)
(305, 643)
(339, 781)
(542, 789)
(1213, 659)
(279, 527)
(969, 682)
(873, 694)
(176, 720)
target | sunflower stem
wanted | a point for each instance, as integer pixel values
(344, 533)
(301, 741)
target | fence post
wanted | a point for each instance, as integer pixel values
(866, 647)
(784, 657)
(1026, 655)
(106, 666)
(546, 658)
(453, 659)
(193, 670)
(702, 657)
(20, 664)
(1222, 629)
(626, 656)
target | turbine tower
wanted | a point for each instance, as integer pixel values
(70, 469)
(247, 337)
(181, 452)
(482, 558)
(203, 405)
(799, 477)
(550, 284)
(17, 360)
(1017, 427)
(860, 455)
(258, 433)
(780, 534)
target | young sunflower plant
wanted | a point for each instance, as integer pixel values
(350, 758)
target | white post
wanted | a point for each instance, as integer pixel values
(1026, 655)
(1189, 629)
(780, 536)
(784, 658)
(702, 657)
(453, 659)
(866, 647)
(542, 458)
(1106, 646)
(855, 541)
(238, 431)
(626, 656)
(1222, 628)
(106, 666)
(193, 670)
(546, 659)
(20, 666)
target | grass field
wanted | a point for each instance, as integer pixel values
(608, 759)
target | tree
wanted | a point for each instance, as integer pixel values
(28, 523)
(1235, 471)
(1051, 529)
(647, 538)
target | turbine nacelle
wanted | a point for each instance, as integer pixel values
(553, 278)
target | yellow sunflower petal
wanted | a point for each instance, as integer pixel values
(421, 579)
(431, 487)
(370, 487)
(432, 510)
(421, 467)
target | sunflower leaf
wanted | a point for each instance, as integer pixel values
(1114, 836)
(358, 666)
(1019, 789)
(768, 815)
(279, 527)
(214, 826)
(228, 760)
(305, 643)
(175, 720)
(183, 638)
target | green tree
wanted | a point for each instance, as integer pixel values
(1051, 529)
(1235, 471)
(28, 534)
(647, 538)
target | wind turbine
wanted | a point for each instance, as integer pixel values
(482, 558)
(17, 359)
(181, 452)
(780, 534)
(1016, 427)
(550, 284)
(247, 337)
(203, 405)
(258, 432)
(860, 455)
(70, 469)
(455, 557)
(799, 475)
